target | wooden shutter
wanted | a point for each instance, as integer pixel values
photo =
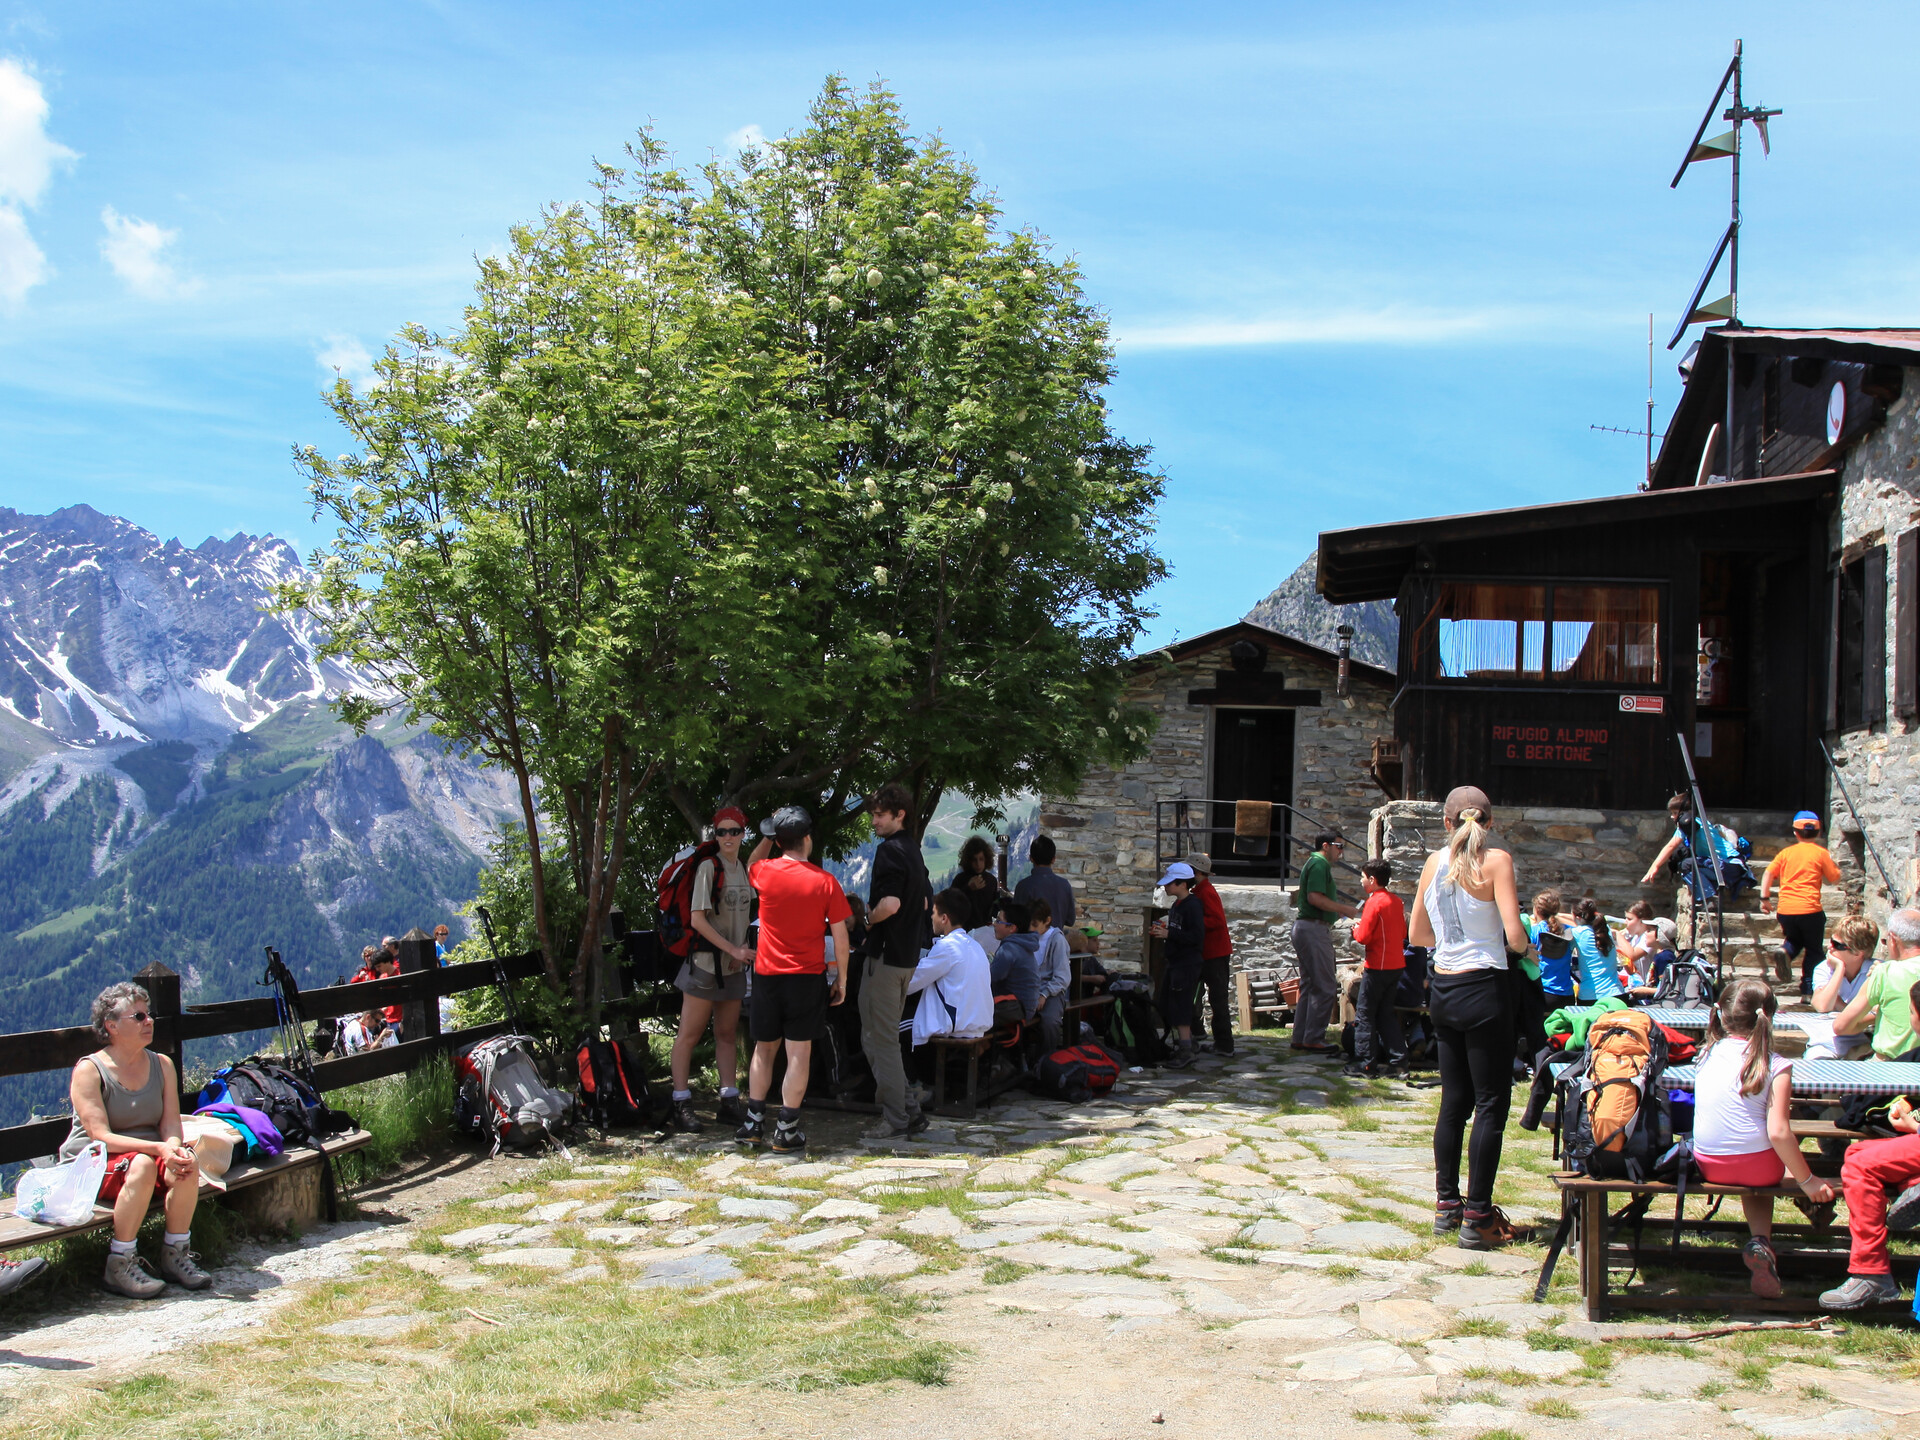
(1873, 635)
(1833, 651)
(1906, 623)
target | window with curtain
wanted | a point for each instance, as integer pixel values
(1583, 634)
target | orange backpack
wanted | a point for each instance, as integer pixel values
(1614, 1117)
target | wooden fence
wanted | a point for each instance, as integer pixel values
(417, 990)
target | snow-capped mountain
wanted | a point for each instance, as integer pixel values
(173, 786)
(109, 633)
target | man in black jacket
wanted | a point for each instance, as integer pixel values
(1183, 929)
(898, 928)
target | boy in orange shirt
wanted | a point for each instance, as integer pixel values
(1798, 872)
(1382, 929)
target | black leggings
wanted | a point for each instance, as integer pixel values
(1473, 1026)
(1805, 937)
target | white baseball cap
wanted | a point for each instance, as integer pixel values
(1178, 870)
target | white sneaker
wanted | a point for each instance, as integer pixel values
(1859, 1292)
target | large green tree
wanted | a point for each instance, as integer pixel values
(952, 542)
(769, 483)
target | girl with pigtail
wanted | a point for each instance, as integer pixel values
(1741, 1131)
(1598, 967)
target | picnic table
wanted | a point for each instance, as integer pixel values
(1816, 1246)
(1678, 1019)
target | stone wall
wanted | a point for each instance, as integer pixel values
(1105, 831)
(1602, 853)
(1880, 499)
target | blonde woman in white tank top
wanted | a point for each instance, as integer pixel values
(1467, 911)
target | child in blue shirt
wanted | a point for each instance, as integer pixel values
(1547, 929)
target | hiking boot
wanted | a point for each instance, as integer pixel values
(684, 1119)
(1758, 1253)
(1356, 1072)
(1181, 1059)
(1861, 1291)
(182, 1267)
(1488, 1231)
(787, 1138)
(884, 1131)
(731, 1110)
(15, 1273)
(1904, 1212)
(128, 1275)
(753, 1129)
(917, 1122)
(1446, 1217)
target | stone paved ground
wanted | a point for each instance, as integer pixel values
(1245, 1245)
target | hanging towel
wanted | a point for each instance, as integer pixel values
(1252, 826)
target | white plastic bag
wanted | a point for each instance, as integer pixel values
(62, 1194)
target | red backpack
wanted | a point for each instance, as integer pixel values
(1077, 1073)
(673, 908)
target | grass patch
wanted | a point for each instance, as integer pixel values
(1515, 1379)
(1372, 1417)
(1004, 1272)
(1476, 1267)
(1491, 1328)
(405, 1114)
(1500, 1434)
(1342, 1271)
(1753, 1374)
(1554, 1408)
(1887, 1344)
(1815, 1392)
(1711, 1390)
(560, 1354)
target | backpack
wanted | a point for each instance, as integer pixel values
(294, 1106)
(673, 907)
(500, 1093)
(613, 1089)
(1690, 983)
(1615, 1119)
(1077, 1073)
(1134, 1024)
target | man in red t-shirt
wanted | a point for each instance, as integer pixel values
(1378, 1046)
(788, 1003)
(1216, 948)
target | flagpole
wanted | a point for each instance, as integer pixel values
(1733, 259)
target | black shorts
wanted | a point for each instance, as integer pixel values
(787, 1007)
(1804, 933)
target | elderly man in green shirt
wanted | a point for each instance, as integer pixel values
(1319, 903)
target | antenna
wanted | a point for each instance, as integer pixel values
(1646, 432)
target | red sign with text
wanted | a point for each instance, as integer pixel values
(1643, 705)
(1569, 747)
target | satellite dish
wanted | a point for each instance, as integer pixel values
(1836, 412)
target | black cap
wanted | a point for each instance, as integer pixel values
(788, 826)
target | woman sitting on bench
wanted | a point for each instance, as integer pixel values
(128, 1098)
(1741, 1130)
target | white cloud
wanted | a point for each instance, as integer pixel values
(745, 136)
(346, 357)
(134, 249)
(28, 157)
(22, 266)
(1391, 326)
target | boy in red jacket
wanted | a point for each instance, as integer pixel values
(1216, 949)
(1382, 929)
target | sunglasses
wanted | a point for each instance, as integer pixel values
(139, 1017)
(1838, 948)
(730, 830)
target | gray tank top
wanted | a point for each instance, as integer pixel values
(134, 1113)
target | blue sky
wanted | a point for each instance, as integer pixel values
(1363, 262)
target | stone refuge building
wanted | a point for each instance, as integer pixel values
(1243, 713)
(1758, 596)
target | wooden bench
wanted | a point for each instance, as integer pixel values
(1265, 992)
(292, 1188)
(948, 1047)
(1586, 1199)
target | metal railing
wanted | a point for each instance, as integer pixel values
(1177, 833)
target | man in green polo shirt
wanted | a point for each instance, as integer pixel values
(1886, 992)
(1318, 903)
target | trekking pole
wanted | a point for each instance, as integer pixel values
(290, 1014)
(500, 970)
(1713, 855)
(1827, 755)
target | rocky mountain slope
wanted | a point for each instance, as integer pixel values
(175, 788)
(1296, 609)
